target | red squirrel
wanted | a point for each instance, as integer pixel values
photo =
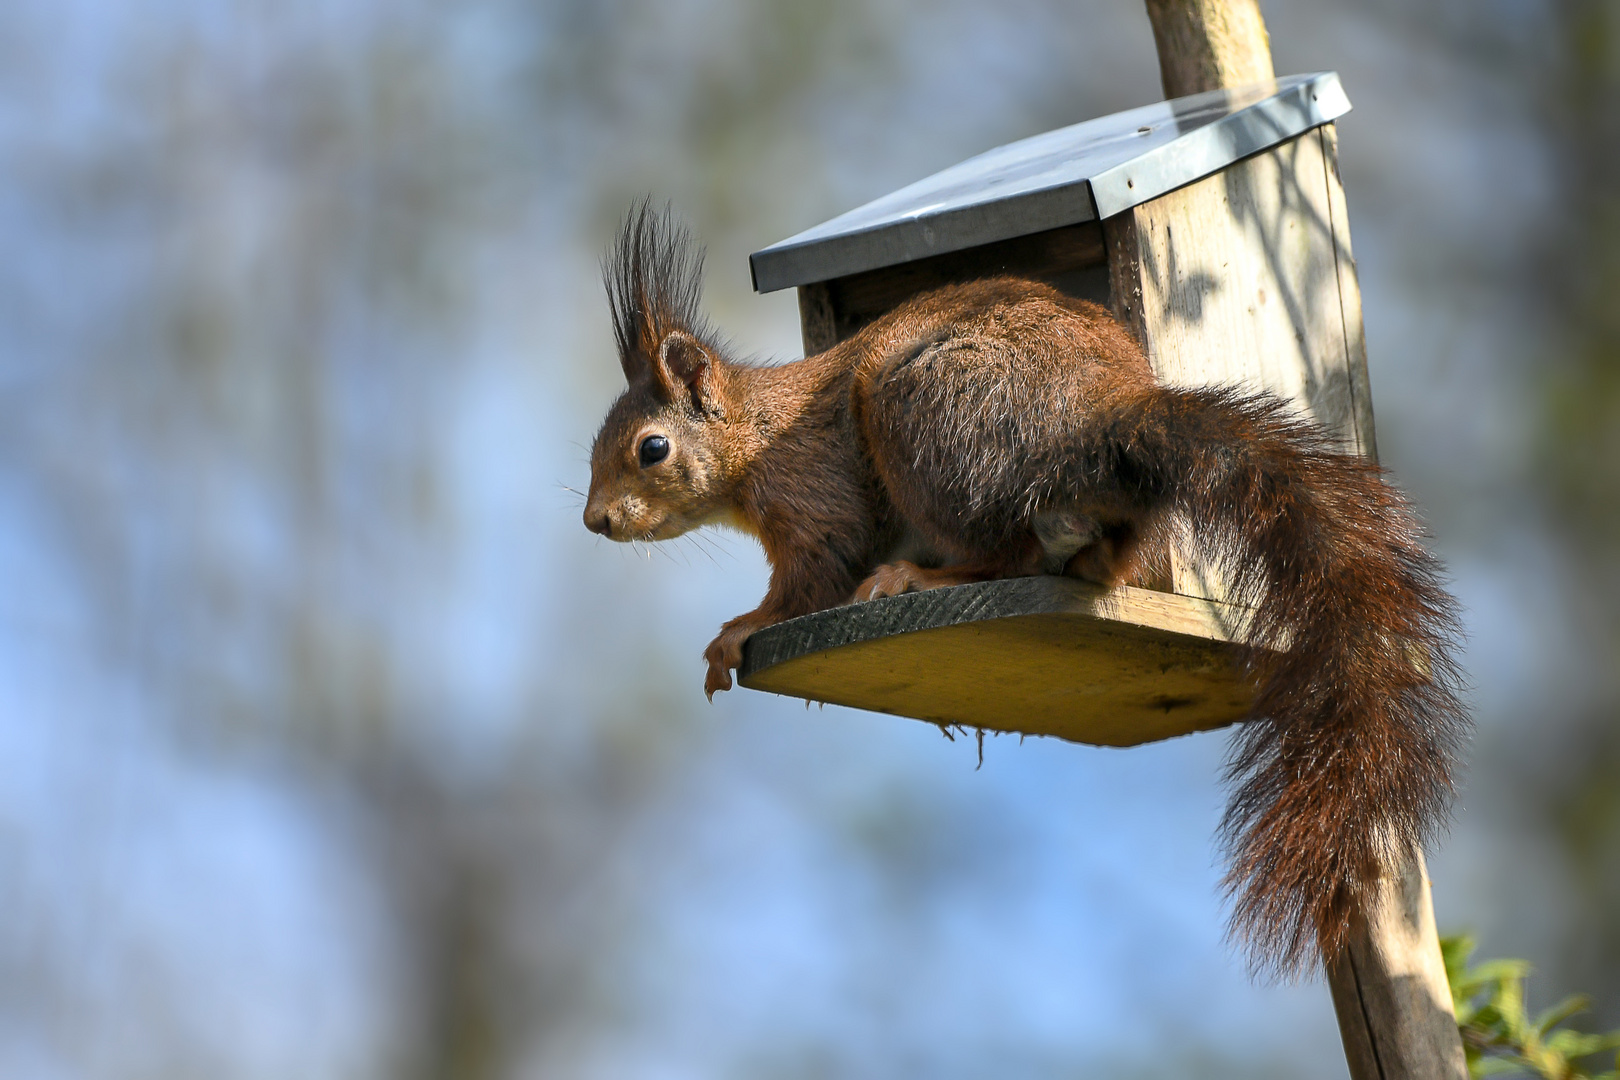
(998, 428)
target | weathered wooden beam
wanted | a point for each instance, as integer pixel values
(1209, 44)
(1390, 991)
(818, 326)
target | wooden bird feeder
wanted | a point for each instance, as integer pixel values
(1214, 227)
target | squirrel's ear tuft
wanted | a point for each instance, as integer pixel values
(685, 367)
(654, 277)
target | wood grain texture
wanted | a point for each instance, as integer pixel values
(1242, 279)
(1239, 280)
(817, 324)
(1390, 991)
(1209, 44)
(1124, 253)
(1355, 340)
(1031, 656)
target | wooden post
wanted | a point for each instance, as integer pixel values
(1290, 321)
(1209, 44)
(1390, 991)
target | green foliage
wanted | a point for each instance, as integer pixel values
(1498, 1034)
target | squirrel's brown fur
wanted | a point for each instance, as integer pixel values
(998, 428)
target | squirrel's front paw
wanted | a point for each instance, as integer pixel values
(723, 654)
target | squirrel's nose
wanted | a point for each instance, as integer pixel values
(597, 521)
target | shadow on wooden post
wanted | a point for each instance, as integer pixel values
(1390, 991)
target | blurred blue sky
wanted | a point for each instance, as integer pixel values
(332, 745)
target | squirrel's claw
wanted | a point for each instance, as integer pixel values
(718, 678)
(723, 654)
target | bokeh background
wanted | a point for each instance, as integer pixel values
(331, 744)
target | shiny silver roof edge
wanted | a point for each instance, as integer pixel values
(1301, 102)
(1207, 150)
(784, 265)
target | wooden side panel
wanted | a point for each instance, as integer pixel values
(1124, 252)
(1349, 296)
(1245, 278)
(1239, 281)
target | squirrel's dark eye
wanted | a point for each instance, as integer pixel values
(654, 448)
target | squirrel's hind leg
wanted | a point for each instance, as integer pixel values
(1110, 559)
(1129, 552)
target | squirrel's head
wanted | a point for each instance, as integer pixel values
(658, 468)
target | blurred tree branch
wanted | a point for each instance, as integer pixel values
(1580, 462)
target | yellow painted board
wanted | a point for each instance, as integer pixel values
(1031, 656)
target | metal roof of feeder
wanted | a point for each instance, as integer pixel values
(1084, 172)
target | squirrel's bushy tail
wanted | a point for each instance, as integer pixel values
(1346, 760)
